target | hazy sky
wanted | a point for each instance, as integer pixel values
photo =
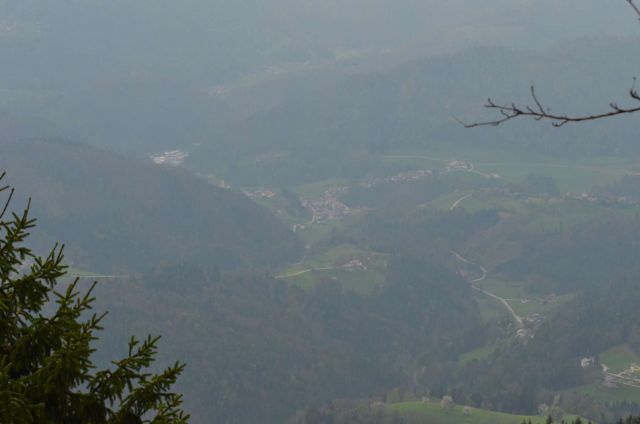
(52, 41)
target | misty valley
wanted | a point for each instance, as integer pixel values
(287, 194)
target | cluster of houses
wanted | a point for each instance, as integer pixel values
(464, 166)
(587, 362)
(459, 165)
(629, 377)
(260, 193)
(530, 324)
(170, 158)
(353, 265)
(602, 198)
(328, 207)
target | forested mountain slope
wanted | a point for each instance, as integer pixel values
(118, 215)
(516, 376)
(66, 60)
(344, 131)
(259, 349)
(139, 115)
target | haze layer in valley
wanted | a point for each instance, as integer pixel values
(284, 191)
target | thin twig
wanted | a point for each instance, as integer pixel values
(632, 4)
(539, 112)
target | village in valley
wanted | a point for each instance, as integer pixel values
(170, 158)
(324, 208)
(328, 207)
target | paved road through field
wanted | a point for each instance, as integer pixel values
(457, 202)
(485, 292)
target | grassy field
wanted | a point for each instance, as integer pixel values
(416, 160)
(506, 289)
(523, 302)
(490, 309)
(514, 293)
(318, 188)
(619, 358)
(328, 265)
(539, 306)
(473, 203)
(542, 214)
(362, 282)
(478, 354)
(571, 175)
(565, 213)
(482, 201)
(609, 395)
(433, 413)
(317, 232)
(337, 255)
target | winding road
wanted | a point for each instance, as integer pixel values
(621, 378)
(302, 271)
(457, 202)
(485, 292)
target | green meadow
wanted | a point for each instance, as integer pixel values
(433, 413)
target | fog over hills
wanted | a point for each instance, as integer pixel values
(119, 216)
(285, 191)
(216, 41)
(81, 63)
(338, 131)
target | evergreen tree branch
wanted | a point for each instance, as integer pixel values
(46, 369)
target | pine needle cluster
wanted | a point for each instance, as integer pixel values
(47, 374)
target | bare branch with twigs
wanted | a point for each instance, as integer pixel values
(539, 112)
(635, 8)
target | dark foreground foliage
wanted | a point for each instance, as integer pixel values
(46, 369)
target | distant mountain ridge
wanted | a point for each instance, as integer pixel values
(343, 131)
(66, 61)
